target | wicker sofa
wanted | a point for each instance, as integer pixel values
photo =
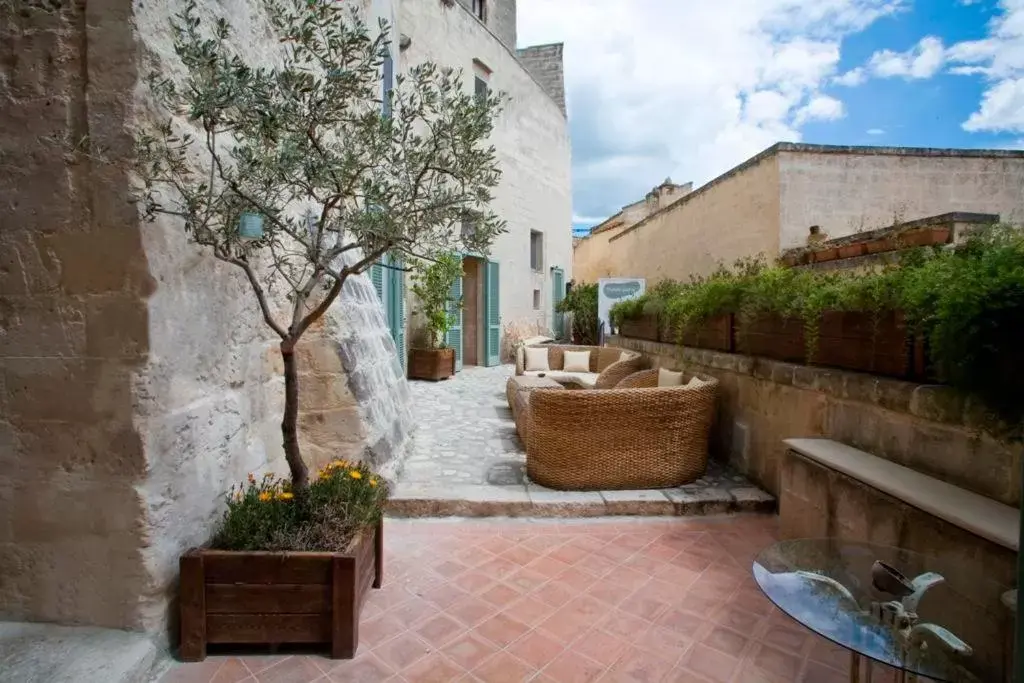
(608, 365)
(635, 436)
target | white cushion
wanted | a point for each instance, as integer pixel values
(667, 378)
(576, 361)
(537, 359)
(623, 356)
(587, 379)
(696, 383)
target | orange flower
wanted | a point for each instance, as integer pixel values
(285, 495)
(355, 474)
(265, 496)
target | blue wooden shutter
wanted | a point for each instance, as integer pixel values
(454, 339)
(492, 316)
(377, 277)
(396, 314)
(557, 294)
(388, 78)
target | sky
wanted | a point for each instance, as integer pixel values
(687, 89)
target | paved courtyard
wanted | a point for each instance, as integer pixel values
(562, 601)
(468, 460)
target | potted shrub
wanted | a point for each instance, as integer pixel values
(432, 285)
(275, 168)
(287, 567)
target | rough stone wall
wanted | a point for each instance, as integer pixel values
(532, 141)
(500, 18)
(925, 427)
(73, 319)
(137, 379)
(546, 65)
(728, 218)
(849, 190)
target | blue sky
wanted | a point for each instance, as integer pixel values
(690, 88)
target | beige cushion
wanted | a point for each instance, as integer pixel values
(623, 356)
(667, 378)
(576, 361)
(696, 383)
(537, 359)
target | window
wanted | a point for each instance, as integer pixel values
(536, 299)
(480, 10)
(536, 250)
(479, 87)
(388, 84)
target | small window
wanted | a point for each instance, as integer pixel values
(536, 299)
(480, 9)
(536, 250)
(468, 230)
(479, 87)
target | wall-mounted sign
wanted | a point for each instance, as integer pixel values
(612, 290)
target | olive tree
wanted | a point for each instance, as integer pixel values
(305, 172)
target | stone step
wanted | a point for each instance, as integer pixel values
(74, 654)
(529, 500)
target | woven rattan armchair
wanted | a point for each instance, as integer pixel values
(644, 437)
(605, 362)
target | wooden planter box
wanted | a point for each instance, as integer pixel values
(432, 364)
(270, 598)
(772, 336)
(644, 327)
(715, 333)
(864, 342)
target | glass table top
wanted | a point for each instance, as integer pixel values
(916, 613)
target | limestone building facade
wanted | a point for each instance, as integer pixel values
(523, 277)
(770, 202)
(138, 381)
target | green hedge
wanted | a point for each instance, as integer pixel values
(581, 301)
(968, 303)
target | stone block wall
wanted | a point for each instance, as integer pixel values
(545, 63)
(138, 381)
(928, 428)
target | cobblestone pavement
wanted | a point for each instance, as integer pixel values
(468, 460)
(561, 601)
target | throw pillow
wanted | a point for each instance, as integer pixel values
(695, 383)
(667, 378)
(623, 356)
(576, 361)
(536, 359)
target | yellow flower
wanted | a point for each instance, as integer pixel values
(285, 495)
(355, 474)
(238, 495)
(373, 482)
(265, 496)
(252, 479)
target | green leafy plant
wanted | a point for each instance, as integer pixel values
(432, 285)
(265, 514)
(581, 302)
(301, 176)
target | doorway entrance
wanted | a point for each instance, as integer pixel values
(476, 335)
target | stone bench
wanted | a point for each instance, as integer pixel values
(829, 489)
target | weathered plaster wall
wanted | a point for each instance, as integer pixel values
(533, 152)
(849, 190)
(545, 63)
(733, 216)
(927, 428)
(137, 380)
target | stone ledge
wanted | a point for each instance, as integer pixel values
(533, 501)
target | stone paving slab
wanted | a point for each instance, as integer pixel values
(468, 461)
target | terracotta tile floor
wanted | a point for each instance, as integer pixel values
(636, 601)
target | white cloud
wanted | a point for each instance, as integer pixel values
(921, 61)
(689, 89)
(875, 131)
(820, 108)
(1000, 58)
(851, 78)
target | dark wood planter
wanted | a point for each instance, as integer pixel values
(773, 336)
(272, 598)
(432, 364)
(715, 333)
(644, 327)
(865, 342)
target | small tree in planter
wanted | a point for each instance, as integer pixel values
(432, 285)
(302, 174)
